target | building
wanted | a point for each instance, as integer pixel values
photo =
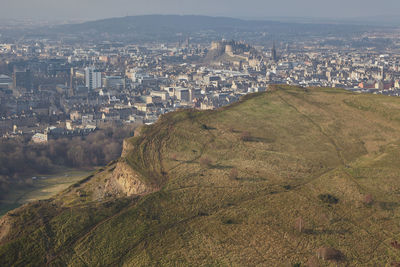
(114, 82)
(153, 99)
(5, 81)
(40, 138)
(57, 132)
(75, 115)
(22, 79)
(163, 94)
(92, 78)
(182, 94)
(194, 93)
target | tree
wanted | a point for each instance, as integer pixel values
(76, 156)
(111, 151)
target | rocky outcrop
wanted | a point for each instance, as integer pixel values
(126, 147)
(5, 226)
(126, 182)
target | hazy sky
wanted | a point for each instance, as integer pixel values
(95, 9)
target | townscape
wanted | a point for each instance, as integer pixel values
(51, 89)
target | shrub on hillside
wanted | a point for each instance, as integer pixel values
(329, 254)
(228, 221)
(395, 245)
(205, 162)
(234, 174)
(245, 136)
(368, 199)
(329, 199)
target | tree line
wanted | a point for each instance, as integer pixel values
(20, 160)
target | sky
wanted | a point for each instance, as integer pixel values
(97, 9)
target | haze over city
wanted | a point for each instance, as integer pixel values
(261, 9)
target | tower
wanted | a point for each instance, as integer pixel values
(187, 42)
(72, 81)
(273, 53)
(92, 78)
(72, 76)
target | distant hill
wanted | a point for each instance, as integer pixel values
(287, 177)
(175, 27)
(156, 23)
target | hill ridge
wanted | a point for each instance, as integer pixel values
(173, 28)
(228, 187)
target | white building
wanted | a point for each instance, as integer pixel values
(39, 138)
(92, 78)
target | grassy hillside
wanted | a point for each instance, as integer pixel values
(44, 187)
(267, 181)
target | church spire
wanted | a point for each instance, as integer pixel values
(273, 53)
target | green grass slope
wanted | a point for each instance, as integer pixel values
(232, 186)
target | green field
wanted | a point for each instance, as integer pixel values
(229, 188)
(43, 187)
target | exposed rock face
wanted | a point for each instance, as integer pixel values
(4, 227)
(125, 181)
(126, 147)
